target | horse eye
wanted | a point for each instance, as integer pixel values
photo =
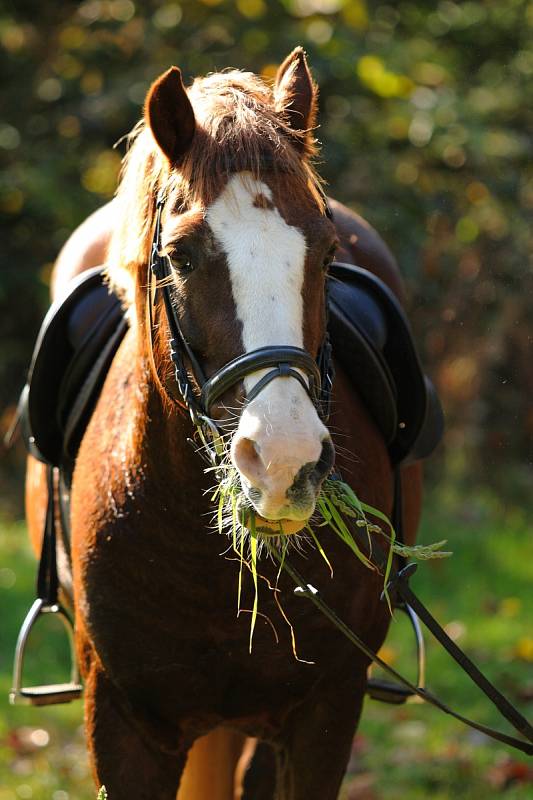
(181, 264)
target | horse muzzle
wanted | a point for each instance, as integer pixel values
(282, 464)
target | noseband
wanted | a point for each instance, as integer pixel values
(281, 361)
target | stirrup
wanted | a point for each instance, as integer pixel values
(48, 694)
(391, 692)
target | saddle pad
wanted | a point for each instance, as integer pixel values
(369, 333)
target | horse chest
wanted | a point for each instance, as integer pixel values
(174, 605)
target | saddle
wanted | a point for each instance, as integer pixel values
(76, 344)
(368, 329)
(372, 340)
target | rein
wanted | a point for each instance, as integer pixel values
(401, 585)
(282, 361)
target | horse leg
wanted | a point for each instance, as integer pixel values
(125, 761)
(310, 757)
(258, 773)
(36, 501)
(211, 766)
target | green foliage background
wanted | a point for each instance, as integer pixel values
(426, 129)
(426, 121)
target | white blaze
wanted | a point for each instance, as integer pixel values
(266, 260)
(266, 263)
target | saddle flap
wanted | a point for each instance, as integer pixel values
(372, 339)
(75, 329)
(358, 333)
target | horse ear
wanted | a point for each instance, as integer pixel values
(295, 92)
(169, 113)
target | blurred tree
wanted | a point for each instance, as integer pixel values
(426, 130)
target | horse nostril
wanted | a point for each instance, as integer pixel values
(246, 457)
(324, 464)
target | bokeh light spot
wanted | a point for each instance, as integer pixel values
(121, 10)
(7, 578)
(101, 177)
(49, 90)
(9, 137)
(69, 126)
(168, 16)
(467, 230)
(319, 31)
(251, 9)
(92, 82)
(11, 200)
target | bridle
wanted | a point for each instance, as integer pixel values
(282, 361)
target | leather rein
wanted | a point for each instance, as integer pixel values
(288, 361)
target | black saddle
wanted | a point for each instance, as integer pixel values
(79, 336)
(369, 333)
(372, 340)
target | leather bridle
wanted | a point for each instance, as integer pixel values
(315, 376)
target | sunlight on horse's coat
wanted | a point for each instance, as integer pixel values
(279, 432)
(163, 654)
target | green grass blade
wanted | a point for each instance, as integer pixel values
(234, 521)
(375, 512)
(348, 538)
(319, 548)
(241, 556)
(253, 562)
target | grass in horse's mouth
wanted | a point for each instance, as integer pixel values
(337, 508)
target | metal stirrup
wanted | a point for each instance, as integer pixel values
(46, 603)
(391, 691)
(46, 694)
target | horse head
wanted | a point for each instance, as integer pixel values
(247, 240)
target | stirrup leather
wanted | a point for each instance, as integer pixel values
(47, 694)
(394, 693)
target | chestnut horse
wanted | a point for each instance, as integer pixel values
(164, 655)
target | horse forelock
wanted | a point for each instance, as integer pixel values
(238, 129)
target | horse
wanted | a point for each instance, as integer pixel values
(175, 699)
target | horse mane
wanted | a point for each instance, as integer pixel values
(239, 127)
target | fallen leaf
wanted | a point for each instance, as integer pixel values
(388, 654)
(509, 772)
(510, 606)
(524, 649)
